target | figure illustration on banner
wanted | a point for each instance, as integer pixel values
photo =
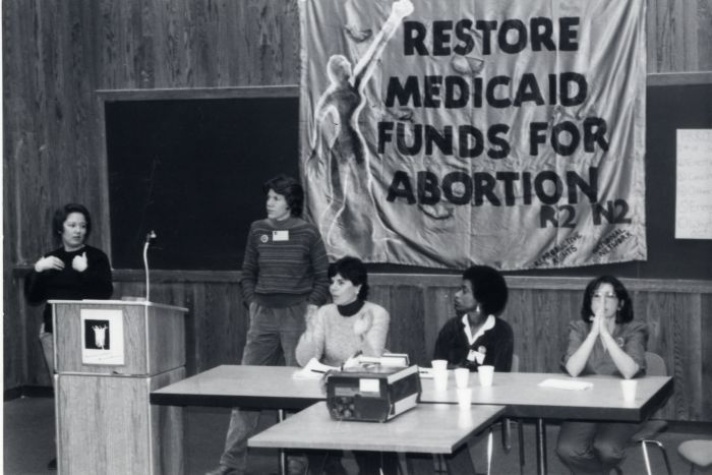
(350, 220)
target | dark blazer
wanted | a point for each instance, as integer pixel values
(497, 342)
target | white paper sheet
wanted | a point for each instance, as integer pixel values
(569, 384)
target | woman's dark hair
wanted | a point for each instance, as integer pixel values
(488, 287)
(351, 268)
(291, 190)
(61, 215)
(625, 310)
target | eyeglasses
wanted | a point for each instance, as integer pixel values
(606, 296)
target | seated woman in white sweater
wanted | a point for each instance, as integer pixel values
(348, 326)
(338, 331)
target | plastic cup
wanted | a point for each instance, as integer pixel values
(462, 377)
(464, 398)
(486, 375)
(439, 365)
(440, 379)
(629, 388)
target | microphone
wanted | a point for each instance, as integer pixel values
(149, 239)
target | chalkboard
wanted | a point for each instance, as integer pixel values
(192, 170)
(671, 108)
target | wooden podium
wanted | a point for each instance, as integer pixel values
(109, 356)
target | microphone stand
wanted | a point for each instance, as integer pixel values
(149, 237)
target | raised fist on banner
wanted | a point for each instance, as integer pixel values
(402, 8)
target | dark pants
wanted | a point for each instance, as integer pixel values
(47, 342)
(273, 336)
(591, 447)
(369, 463)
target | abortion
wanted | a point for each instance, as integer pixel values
(457, 92)
(504, 188)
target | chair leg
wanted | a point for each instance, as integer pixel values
(520, 435)
(644, 447)
(490, 436)
(665, 456)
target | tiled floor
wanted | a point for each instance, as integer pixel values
(29, 443)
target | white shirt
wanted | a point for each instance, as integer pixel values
(489, 323)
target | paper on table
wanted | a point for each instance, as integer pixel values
(395, 359)
(390, 360)
(386, 359)
(313, 370)
(566, 384)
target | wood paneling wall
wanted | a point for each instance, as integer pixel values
(58, 53)
(679, 36)
(678, 313)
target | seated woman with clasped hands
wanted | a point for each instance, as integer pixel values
(605, 341)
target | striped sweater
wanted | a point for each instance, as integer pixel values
(285, 264)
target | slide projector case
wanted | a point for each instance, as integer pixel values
(372, 394)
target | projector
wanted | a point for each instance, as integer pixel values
(372, 394)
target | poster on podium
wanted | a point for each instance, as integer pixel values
(102, 336)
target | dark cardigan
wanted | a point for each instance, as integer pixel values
(68, 284)
(497, 342)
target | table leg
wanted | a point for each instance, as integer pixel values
(282, 452)
(419, 464)
(457, 463)
(460, 462)
(541, 447)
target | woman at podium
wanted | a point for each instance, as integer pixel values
(73, 271)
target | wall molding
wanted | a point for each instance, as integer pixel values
(243, 92)
(679, 79)
(394, 279)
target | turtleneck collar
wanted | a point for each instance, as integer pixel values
(283, 224)
(350, 309)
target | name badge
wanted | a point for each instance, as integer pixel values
(473, 356)
(280, 236)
